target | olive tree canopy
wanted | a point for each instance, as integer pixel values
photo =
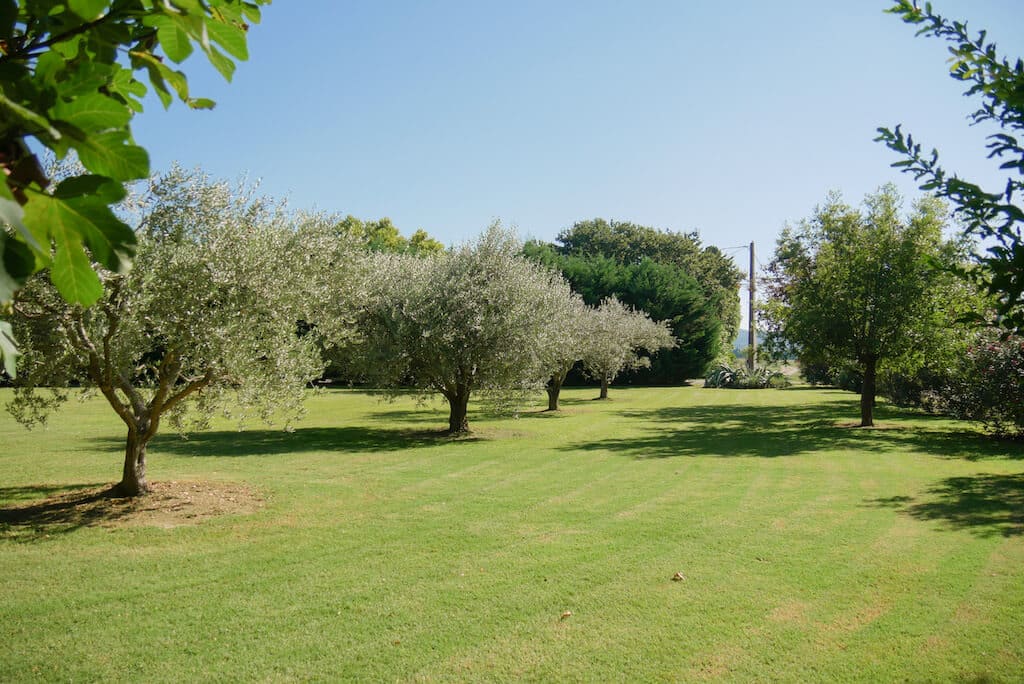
(618, 336)
(478, 318)
(205, 321)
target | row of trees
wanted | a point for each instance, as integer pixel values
(481, 318)
(235, 305)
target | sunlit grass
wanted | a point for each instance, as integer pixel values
(811, 551)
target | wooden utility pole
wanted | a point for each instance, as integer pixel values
(752, 320)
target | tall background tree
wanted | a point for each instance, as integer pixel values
(205, 321)
(667, 274)
(68, 83)
(859, 286)
(383, 236)
(996, 218)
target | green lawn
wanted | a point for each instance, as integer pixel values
(811, 551)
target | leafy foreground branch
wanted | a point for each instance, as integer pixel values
(68, 84)
(996, 217)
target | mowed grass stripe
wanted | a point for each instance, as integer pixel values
(810, 551)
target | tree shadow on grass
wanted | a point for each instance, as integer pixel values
(10, 495)
(234, 443)
(424, 415)
(84, 505)
(775, 431)
(988, 505)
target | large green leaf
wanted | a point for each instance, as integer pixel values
(160, 75)
(229, 36)
(111, 241)
(107, 154)
(28, 116)
(94, 112)
(173, 40)
(224, 65)
(251, 12)
(88, 9)
(85, 218)
(72, 273)
(16, 264)
(106, 189)
(12, 214)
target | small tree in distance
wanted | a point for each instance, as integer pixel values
(205, 320)
(567, 345)
(618, 335)
(476, 319)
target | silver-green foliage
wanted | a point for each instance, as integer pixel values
(567, 344)
(618, 337)
(478, 318)
(207, 315)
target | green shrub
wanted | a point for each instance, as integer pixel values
(910, 389)
(726, 377)
(987, 386)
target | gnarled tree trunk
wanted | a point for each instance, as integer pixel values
(458, 402)
(604, 387)
(867, 393)
(554, 388)
(133, 477)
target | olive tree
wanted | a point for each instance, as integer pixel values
(618, 337)
(477, 318)
(566, 344)
(205, 320)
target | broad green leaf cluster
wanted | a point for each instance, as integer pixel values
(69, 82)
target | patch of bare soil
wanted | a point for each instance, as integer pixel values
(168, 504)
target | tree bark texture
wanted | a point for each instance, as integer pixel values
(604, 388)
(554, 388)
(458, 423)
(867, 394)
(133, 477)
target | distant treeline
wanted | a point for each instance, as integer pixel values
(670, 275)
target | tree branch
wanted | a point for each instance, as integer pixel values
(77, 329)
(25, 52)
(189, 389)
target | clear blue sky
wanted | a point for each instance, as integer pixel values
(726, 118)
